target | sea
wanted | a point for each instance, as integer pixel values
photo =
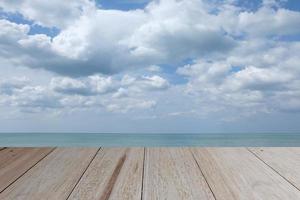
(150, 140)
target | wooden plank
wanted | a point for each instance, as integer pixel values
(115, 173)
(172, 173)
(52, 178)
(286, 161)
(235, 173)
(14, 162)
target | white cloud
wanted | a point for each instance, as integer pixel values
(125, 60)
(93, 85)
(145, 83)
(8, 87)
(97, 85)
(269, 22)
(176, 30)
(93, 92)
(11, 31)
(154, 68)
(259, 79)
(127, 105)
(262, 89)
(163, 32)
(32, 99)
(273, 3)
(70, 86)
(53, 13)
(166, 31)
(38, 41)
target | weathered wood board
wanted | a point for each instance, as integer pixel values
(115, 173)
(285, 161)
(52, 178)
(172, 173)
(14, 162)
(235, 173)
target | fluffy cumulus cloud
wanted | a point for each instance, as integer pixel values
(109, 41)
(121, 94)
(268, 20)
(51, 13)
(8, 87)
(171, 56)
(92, 86)
(266, 81)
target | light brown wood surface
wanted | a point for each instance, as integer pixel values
(52, 178)
(151, 173)
(172, 173)
(14, 162)
(115, 173)
(285, 161)
(234, 173)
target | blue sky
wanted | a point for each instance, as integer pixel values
(122, 5)
(150, 66)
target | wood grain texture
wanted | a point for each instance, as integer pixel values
(115, 173)
(14, 162)
(52, 178)
(286, 161)
(235, 173)
(172, 173)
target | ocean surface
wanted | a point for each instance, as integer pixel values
(149, 140)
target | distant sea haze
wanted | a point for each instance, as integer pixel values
(149, 140)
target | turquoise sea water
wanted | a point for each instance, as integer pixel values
(148, 140)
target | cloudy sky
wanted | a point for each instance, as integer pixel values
(150, 66)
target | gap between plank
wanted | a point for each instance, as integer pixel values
(202, 174)
(28, 170)
(2, 148)
(272, 169)
(83, 173)
(143, 173)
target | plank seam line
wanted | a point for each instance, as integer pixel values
(143, 174)
(27, 170)
(77, 182)
(203, 174)
(110, 185)
(2, 148)
(273, 169)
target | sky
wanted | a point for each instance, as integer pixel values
(161, 66)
